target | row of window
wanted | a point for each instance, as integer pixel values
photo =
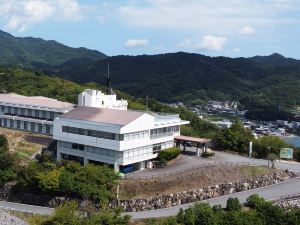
(93, 133)
(136, 135)
(129, 154)
(105, 135)
(90, 149)
(24, 125)
(163, 132)
(28, 112)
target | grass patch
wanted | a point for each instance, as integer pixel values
(24, 144)
(204, 177)
(30, 218)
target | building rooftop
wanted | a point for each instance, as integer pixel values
(37, 101)
(111, 116)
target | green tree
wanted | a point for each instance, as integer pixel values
(204, 215)
(235, 138)
(8, 164)
(233, 204)
(263, 145)
(49, 180)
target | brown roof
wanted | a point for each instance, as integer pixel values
(38, 101)
(192, 139)
(111, 116)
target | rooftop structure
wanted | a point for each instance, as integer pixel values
(110, 116)
(97, 99)
(39, 102)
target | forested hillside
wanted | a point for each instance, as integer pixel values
(195, 78)
(257, 82)
(41, 54)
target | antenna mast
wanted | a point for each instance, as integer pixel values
(108, 88)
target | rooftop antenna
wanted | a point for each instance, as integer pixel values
(108, 88)
(147, 100)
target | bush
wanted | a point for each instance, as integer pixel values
(233, 204)
(255, 201)
(207, 154)
(168, 154)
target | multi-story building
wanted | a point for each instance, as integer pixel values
(34, 114)
(119, 138)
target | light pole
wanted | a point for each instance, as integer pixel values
(269, 156)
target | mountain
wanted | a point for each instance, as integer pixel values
(192, 78)
(40, 54)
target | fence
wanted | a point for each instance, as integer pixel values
(290, 197)
(192, 169)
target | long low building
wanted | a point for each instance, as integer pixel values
(121, 138)
(34, 114)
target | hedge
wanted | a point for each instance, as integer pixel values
(168, 154)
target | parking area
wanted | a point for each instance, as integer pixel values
(188, 160)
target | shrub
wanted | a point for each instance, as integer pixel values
(233, 204)
(255, 201)
(168, 154)
(207, 154)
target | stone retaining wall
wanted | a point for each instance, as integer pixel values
(165, 201)
(289, 204)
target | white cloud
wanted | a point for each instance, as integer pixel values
(206, 16)
(136, 43)
(22, 14)
(236, 50)
(247, 30)
(207, 42)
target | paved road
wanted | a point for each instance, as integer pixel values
(269, 193)
(11, 206)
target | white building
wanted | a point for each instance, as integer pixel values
(119, 138)
(34, 114)
(97, 99)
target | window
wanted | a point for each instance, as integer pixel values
(51, 115)
(5, 122)
(78, 147)
(44, 114)
(23, 112)
(32, 126)
(37, 113)
(9, 110)
(18, 124)
(15, 110)
(2, 108)
(11, 123)
(40, 128)
(25, 125)
(48, 129)
(29, 112)
(156, 147)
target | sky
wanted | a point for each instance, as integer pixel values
(234, 28)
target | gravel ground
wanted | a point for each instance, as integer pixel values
(7, 219)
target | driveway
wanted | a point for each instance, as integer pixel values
(188, 161)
